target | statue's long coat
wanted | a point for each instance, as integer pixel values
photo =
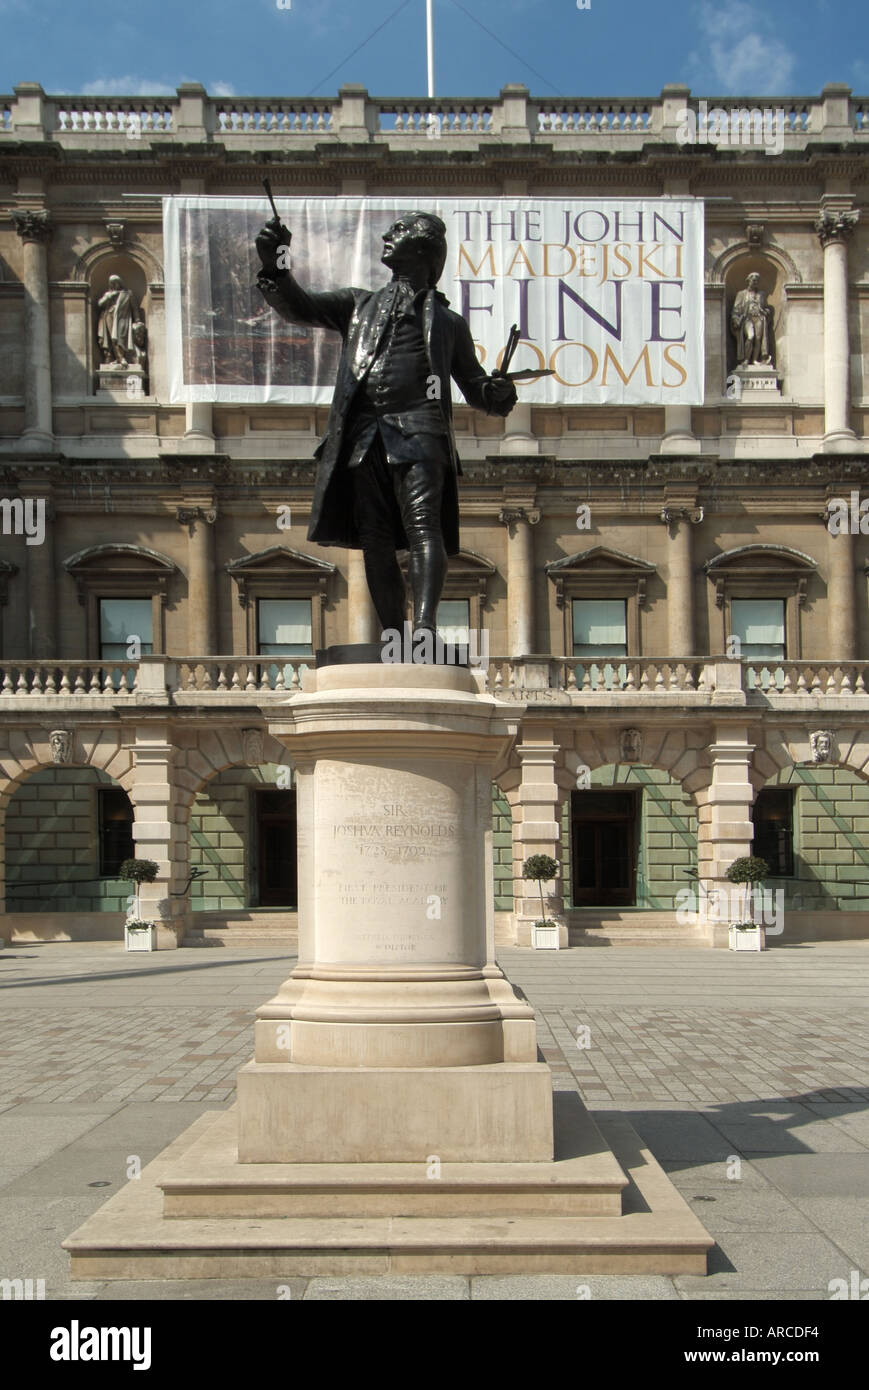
(360, 317)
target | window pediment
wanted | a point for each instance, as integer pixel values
(121, 567)
(600, 569)
(279, 571)
(762, 569)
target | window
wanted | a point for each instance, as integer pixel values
(284, 627)
(599, 627)
(773, 816)
(759, 623)
(454, 621)
(120, 620)
(115, 830)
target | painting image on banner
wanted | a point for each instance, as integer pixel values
(607, 293)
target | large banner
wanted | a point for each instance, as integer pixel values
(607, 293)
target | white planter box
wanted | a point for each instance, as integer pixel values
(140, 940)
(545, 938)
(751, 940)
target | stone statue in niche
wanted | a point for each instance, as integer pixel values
(119, 314)
(140, 344)
(751, 325)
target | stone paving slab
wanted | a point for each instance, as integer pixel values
(710, 1056)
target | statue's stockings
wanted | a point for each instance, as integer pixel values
(383, 493)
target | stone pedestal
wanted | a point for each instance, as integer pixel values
(758, 382)
(396, 991)
(119, 383)
(395, 1116)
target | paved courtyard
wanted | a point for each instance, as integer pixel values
(747, 1076)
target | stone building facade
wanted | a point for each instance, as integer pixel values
(652, 748)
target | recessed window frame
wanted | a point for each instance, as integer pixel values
(762, 571)
(784, 794)
(281, 573)
(600, 572)
(107, 867)
(121, 571)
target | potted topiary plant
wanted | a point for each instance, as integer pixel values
(747, 935)
(542, 868)
(139, 935)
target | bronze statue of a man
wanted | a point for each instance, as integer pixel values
(750, 324)
(388, 467)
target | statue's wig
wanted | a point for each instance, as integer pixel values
(434, 235)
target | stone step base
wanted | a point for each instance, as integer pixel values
(614, 928)
(131, 1238)
(614, 936)
(584, 1179)
(279, 927)
(287, 938)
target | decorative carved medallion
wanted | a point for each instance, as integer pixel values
(60, 741)
(822, 745)
(630, 745)
(252, 746)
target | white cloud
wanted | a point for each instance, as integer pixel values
(144, 87)
(127, 87)
(740, 53)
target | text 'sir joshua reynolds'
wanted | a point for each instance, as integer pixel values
(388, 467)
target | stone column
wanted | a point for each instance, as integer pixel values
(725, 830)
(159, 833)
(680, 578)
(199, 421)
(41, 579)
(518, 437)
(841, 598)
(201, 614)
(34, 227)
(363, 624)
(537, 830)
(520, 577)
(834, 229)
(679, 437)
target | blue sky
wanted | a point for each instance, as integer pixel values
(617, 47)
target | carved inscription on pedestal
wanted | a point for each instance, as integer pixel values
(391, 851)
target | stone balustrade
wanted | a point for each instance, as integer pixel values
(536, 680)
(192, 116)
(66, 680)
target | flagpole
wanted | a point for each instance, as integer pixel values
(429, 40)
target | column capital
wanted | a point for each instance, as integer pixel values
(32, 224)
(509, 515)
(188, 516)
(671, 516)
(835, 226)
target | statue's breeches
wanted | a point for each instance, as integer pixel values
(411, 494)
